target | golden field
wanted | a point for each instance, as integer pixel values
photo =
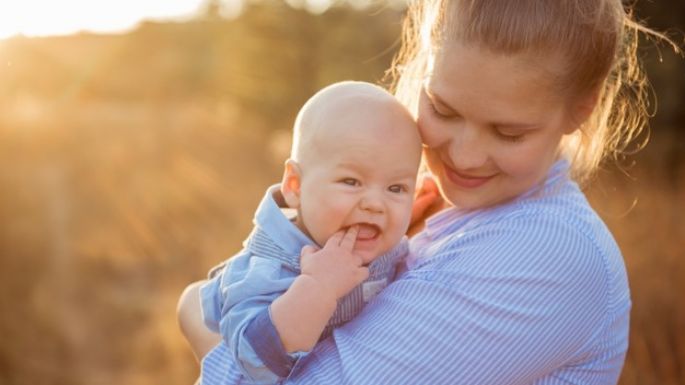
(131, 164)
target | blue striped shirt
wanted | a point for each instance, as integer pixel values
(533, 291)
(265, 268)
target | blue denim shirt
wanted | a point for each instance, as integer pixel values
(263, 270)
(530, 292)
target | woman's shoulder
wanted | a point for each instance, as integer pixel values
(557, 252)
(525, 238)
(543, 232)
(564, 213)
(558, 212)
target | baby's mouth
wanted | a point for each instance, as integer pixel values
(367, 231)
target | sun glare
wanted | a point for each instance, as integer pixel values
(50, 17)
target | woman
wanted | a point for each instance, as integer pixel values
(517, 281)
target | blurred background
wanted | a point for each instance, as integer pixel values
(135, 144)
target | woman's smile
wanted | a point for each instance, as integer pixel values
(466, 180)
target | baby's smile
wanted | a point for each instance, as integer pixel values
(368, 231)
(367, 242)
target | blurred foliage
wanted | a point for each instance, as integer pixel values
(130, 164)
(268, 61)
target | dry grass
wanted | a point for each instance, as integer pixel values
(111, 209)
(126, 172)
(646, 215)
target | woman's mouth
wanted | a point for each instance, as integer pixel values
(465, 180)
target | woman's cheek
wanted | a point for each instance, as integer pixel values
(424, 122)
(422, 127)
(429, 132)
(523, 164)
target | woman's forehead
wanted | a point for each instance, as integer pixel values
(487, 86)
(538, 66)
(510, 84)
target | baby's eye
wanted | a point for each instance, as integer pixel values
(397, 188)
(350, 181)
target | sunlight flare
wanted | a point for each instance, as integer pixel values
(44, 17)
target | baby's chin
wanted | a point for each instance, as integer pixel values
(368, 256)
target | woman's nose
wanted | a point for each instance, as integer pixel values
(467, 149)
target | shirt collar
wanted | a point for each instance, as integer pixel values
(270, 219)
(448, 219)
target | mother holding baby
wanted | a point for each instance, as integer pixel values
(515, 279)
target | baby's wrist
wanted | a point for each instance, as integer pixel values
(323, 292)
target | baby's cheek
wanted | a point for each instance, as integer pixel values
(401, 220)
(319, 227)
(407, 210)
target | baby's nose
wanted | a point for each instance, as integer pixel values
(372, 202)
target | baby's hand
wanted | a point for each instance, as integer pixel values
(335, 268)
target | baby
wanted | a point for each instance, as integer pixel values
(350, 179)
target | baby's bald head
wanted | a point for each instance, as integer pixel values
(356, 152)
(337, 110)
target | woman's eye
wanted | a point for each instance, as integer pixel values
(509, 137)
(437, 112)
(350, 182)
(397, 188)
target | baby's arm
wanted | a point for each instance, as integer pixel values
(302, 312)
(294, 321)
(228, 303)
(299, 315)
(300, 306)
(248, 285)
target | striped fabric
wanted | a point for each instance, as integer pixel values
(530, 292)
(262, 271)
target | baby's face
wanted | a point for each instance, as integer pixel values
(363, 172)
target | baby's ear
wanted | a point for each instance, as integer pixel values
(290, 185)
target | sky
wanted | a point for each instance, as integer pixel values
(62, 17)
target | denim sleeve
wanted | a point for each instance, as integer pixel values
(210, 302)
(247, 288)
(262, 335)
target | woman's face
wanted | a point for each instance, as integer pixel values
(490, 124)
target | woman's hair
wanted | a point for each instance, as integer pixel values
(596, 38)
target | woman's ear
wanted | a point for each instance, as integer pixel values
(582, 110)
(291, 183)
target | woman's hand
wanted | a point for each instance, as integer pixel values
(427, 202)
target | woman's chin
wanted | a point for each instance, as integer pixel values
(471, 199)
